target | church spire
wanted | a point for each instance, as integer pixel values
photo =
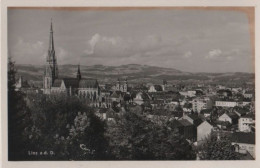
(78, 74)
(51, 43)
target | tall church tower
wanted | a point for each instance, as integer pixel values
(51, 68)
(125, 85)
(78, 73)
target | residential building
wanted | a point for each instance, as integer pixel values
(155, 88)
(200, 103)
(203, 131)
(246, 122)
(248, 94)
(230, 117)
(141, 98)
(220, 103)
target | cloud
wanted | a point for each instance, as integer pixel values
(26, 52)
(106, 42)
(213, 54)
(116, 46)
(228, 56)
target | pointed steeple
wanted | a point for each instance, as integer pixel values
(78, 73)
(51, 43)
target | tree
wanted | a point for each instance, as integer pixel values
(18, 117)
(135, 137)
(57, 121)
(85, 140)
(215, 148)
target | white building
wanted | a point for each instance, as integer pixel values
(203, 131)
(191, 93)
(141, 98)
(232, 118)
(245, 123)
(226, 103)
(155, 88)
(199, 104)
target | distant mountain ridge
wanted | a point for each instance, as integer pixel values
(133, 72)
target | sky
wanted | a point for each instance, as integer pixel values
(187, 40)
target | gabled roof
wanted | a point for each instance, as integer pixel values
(206, 122)
(243, 137)
(71, 82)
(185, 122)
(88, 83)
(196, 120)
(116, 94)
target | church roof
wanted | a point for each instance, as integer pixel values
(88, 83)
(71, 82)
(57, 83)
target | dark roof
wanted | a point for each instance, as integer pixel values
(243, 137)
(206, 111)
(116, 94)
(177, 114)
(143, 95)
(193, 116)
(240, 111)
(88, 83)
(158, 87)
(196, 120)
(185, 122)
(233, 115)
(221, 91)
(57, 83)
(249, 115)
(71, 82)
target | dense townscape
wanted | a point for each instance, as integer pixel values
(81, 118)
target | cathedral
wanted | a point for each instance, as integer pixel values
(52, 83)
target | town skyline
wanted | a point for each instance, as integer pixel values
(104, 38)
(117, 108)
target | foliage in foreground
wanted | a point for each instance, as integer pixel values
(217, 148)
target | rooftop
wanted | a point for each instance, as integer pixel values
(243, 137)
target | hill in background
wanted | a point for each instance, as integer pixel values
(135, 74)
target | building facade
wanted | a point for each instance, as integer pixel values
(121, 85)
(201, 103)
(203, 131)
(245, 123)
